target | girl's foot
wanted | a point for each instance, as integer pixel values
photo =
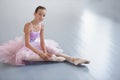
(55, 58)
(78, 61)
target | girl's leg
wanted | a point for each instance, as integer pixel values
(59, 57)
(75, 61)
(28, 55)
(35, 57)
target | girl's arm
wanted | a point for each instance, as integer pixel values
(28, 45)
(27, 39)
(42, 41)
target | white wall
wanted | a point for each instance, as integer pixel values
(15, 13)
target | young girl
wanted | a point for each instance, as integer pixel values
(34, 47)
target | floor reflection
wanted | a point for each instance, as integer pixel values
(94, 35)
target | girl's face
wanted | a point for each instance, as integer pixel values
(39, 16)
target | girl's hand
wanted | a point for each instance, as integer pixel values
(45, 56)
(50, 55)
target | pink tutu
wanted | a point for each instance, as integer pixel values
(14, 51)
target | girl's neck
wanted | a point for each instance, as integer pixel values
(34, 22)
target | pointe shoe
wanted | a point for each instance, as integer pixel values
(78, 61)
(55, 58)
(60, 59)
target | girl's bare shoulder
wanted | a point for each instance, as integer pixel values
(27, 26)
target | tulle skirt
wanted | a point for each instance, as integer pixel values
(15, 52)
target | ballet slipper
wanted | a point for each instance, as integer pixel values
(59, 59)
(78, 61)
